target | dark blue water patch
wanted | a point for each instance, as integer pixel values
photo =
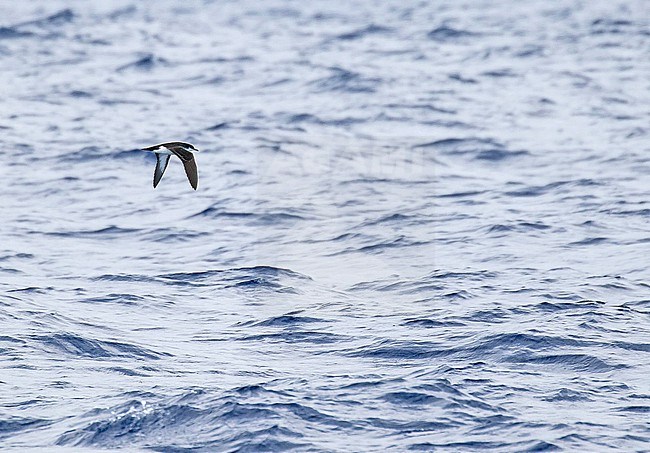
(413, 399)
(24, 403)
(425, 284)
(499, 228)
(300, 118)
(10, 270)
(499, 73)
(58, 19)
(77, 346)
(256, 390)
(260, 278)
(279, 12)
(610, 26)
(459, 78)
(218, 126)
(423, 107)
(297, 336)
(91, 153)
(262, 283)
(8, 339)
(287, 320)
(554, 187)
(122, 299)
(431, 323)
(400, 350)
(275, 218)
(445, 33)
(132, 154)
(16, 255)
(62, 17)
(456, 295)
(217, 212)
(471, 193)
(542, 445)
(32, 290)
(349, 237)
(342, 80)
(133, 420)
(629, 212)
(247, 441)
(84, 154)
(530, 50)
(509, 347)
(636, 304)
(126, 371)
(371, 29)
(14, 425)
(447, 124)
(234, 411)
(635, 409)
(566, 394)
(461, 145)
(277, 83)
(493, 316)
(146, 63)
(469, 276)
(79, 94)
(478, 446)
(173, 235)
(13, 32)
(111, 231)
(236, 275)
(589, 241)
(312, 415)
(569, 362)
(45, 28)
(643, 347)
(379, 247)
(412, 427)
(122, 13)
(124, 278)
(396, 218)
(534, 226)
(522, 227)
(179, 424)
(118, 101)
(475, 148)
(496, 155)
(531, 342)
(264, 219)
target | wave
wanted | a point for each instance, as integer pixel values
(74, 345)
(480, 149)
(343, 80)
(445, 33)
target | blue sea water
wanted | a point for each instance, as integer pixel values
(420, 226)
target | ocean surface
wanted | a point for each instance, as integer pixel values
(420, 226)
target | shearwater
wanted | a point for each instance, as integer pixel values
(179, 149)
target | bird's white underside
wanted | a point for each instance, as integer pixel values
(161, 150)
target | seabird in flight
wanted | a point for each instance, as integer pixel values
(179, 149)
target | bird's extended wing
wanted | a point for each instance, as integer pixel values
(161, 164)
(190, 165)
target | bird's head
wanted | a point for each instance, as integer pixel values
(191, 147)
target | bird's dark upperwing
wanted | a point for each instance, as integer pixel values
(189, 163)
(161, 165)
